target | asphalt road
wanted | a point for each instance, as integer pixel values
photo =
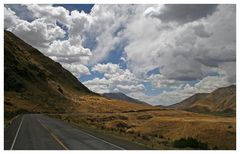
(39, 132)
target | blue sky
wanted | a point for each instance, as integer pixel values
(80, 7)
(160, 54)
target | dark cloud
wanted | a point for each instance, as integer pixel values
(183, 13)
(182, 69)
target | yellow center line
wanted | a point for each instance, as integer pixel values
(54, 136)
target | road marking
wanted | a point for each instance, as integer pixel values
(102, 140)
(15, 138)
(54, 136)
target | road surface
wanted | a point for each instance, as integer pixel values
(39, 132)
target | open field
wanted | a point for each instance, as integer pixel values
(159, 129)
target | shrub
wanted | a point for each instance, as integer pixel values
(60, 89)
(230, 126)
(144, 117)
(121, 124)
(145, 137)
(190, 143)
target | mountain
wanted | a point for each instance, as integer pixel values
(221, 100)
(35, 83)
(121, 96)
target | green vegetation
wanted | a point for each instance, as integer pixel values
(190, 143)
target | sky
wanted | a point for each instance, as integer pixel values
(160, 54)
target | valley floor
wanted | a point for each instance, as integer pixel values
(162, 128)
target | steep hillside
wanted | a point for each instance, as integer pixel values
(34, 82)
(222, 100)
(121, 96)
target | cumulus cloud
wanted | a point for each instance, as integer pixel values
(99, 85)
(117, 75)
(50, 13)
(106, 68)
(106, 27)
(129, 88)
(66, 52)
(76, 69)
(115, 79)
(195, 42)
(182, 52)
(38, 33)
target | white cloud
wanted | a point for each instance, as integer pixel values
(50, 13)
(229, 70)
(105, 29)
(76, 69)
(106, 68)
(10, 18)
(115, 79)
(210, 83)
(154, 11)
(99, 85)
(181, 51)
(123, 59)
(160, 81)
(115, 74)
(38, 33)
(80, 23)
(129, 88)
(66, 52)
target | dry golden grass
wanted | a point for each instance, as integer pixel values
(159, 129)
(98, 104)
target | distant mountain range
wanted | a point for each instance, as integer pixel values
(221, 100)
(121, 96)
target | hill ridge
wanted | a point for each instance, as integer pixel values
(124, 97)
(219, 100)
